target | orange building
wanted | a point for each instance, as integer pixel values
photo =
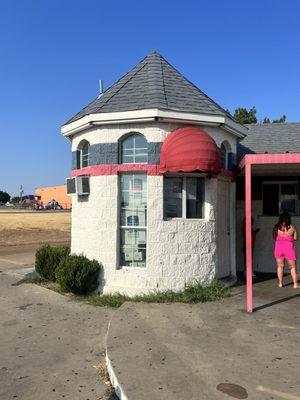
(58, 193)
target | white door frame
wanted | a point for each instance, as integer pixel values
(231, 227)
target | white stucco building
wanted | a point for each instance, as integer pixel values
(158, 159)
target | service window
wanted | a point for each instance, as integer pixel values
(184, 197)
(280, 196)
(173, 197)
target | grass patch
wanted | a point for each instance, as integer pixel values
(38, 280)
(194, 293)
(55, 287)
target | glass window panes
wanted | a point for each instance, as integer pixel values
(133, 219)
(184, 197)
(140, 141)
(194, 197)
(128, 143)
(289, 198)
(133, 247)
(134, 149)
(223, 156)
(85, 155)
(278, 197)
(173, 197)
(288, 189)
(270, 199)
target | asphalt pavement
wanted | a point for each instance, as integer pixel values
(210, 351)
(49, 344)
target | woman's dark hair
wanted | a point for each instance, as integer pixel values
(284, 219)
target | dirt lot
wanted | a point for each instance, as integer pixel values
(27, 229)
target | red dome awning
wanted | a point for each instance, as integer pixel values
(189, 149)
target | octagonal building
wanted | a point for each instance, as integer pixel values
(154, 190)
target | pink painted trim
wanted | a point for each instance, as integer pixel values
(242, 164)
(246, 162)
(280, 158)
(248, 212)
(114, 169)
(228, 174)
(225, 173)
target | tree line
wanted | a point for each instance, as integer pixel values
(244, 116)
(5, 197)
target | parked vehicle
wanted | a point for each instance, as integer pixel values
(53, 205)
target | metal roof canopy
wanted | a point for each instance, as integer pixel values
(249, 163)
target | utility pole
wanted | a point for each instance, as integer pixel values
(21, 193)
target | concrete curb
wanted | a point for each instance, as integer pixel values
(112, 376)
(114, 380)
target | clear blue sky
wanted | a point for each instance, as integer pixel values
(241, 53)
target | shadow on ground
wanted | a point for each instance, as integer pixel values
(184, 351)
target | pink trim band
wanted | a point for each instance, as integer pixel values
(281, 158)
(114, 169)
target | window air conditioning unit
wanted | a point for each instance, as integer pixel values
(71, 186)
(83, 185)
(79, 185)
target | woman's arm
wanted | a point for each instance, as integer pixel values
(295, 233)
(274, 233)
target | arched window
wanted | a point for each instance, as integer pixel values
(226, 155)
(134, 149)
(223, 156)
(83, 154)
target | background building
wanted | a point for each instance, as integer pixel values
(59, 193)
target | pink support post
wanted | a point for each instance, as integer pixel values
(249, 294)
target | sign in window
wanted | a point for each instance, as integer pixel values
(133, 220)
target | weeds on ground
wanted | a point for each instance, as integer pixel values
(104, 377)
(193, 293)
(102, 372)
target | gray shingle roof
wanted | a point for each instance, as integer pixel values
(270, 138)
(153, 83)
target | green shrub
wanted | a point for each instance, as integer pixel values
(78, 274)
(47, 260)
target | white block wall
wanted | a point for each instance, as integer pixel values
(179, 251)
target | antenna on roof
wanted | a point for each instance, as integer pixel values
(100, 87)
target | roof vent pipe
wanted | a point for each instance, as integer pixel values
(100, 87)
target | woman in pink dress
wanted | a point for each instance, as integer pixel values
(285, 235)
